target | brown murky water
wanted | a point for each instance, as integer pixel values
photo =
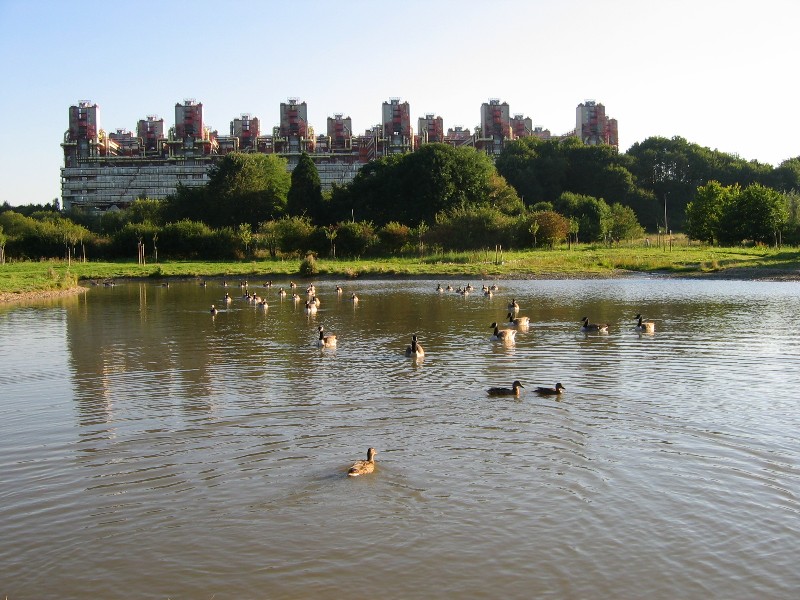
(150, 450)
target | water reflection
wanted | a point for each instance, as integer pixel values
(215, 445)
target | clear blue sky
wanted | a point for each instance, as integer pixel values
(721, 73)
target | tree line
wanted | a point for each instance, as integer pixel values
(537, 193)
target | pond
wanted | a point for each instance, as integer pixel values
(150, 449)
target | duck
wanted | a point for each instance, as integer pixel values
(326, 341)
(553, 391)
(501, 391)
(503, 335)
(519, 322)
(311, 308)
(415, 349)
(513, 306)
(353, 297)
(214, 310)
(363, 467)
(593, 327)
(645, 326)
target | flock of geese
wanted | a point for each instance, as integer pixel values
(415, 350)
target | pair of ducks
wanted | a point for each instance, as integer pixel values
(515, 388)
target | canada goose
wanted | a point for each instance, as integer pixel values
(449, 288)
(311, 308)
(353, 297)
(243, 284)
(502, 335)
(645, 326)
(494, 287)
(314, 300)
(268, 284)
(292, 284)
(593, 327)
(513, 306)
(488, 293)
(439, 288)
(468, 288)
(501, 391)
(415, 349)
(326, 341)
(363, 467)
(554, 391)
(338, 289)
(214, 310)
(296, 298)
(263, 304)
(519, 322)
(228, 297)
(282, 293)
(203, 284)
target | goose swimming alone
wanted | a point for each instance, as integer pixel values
(326, 341)
(415, 349)
(644, 326)
(593, 327)
(503, 335)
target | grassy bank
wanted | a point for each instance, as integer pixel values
(581, 260)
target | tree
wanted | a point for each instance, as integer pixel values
(305, 193)
(757, 213)
(245, 235)
(553, 227)
(592, 214)
(246, 188)
(704, 212)
(624, 225)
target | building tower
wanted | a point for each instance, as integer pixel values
(430, 129)
(294, 135)
(340, 132)
(82, 138)
(592, 125)
(521, 126)
(151, 132)
(396, 127)
(247, 130)
(495, 126)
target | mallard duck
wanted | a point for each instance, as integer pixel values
(326, 341)
(513, 306)
(311, 308)
(415, 349)
(214, 310)
(503, 335)
(553, 391)
(593, 327)
(501, 391)
(645, 326)
(519, 322)
(363, 467)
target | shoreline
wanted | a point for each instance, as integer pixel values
(731, 274)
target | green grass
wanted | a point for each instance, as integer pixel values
(581, 260)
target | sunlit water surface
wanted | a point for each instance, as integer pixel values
(150, 450)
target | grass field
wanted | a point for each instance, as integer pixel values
(580, 260)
